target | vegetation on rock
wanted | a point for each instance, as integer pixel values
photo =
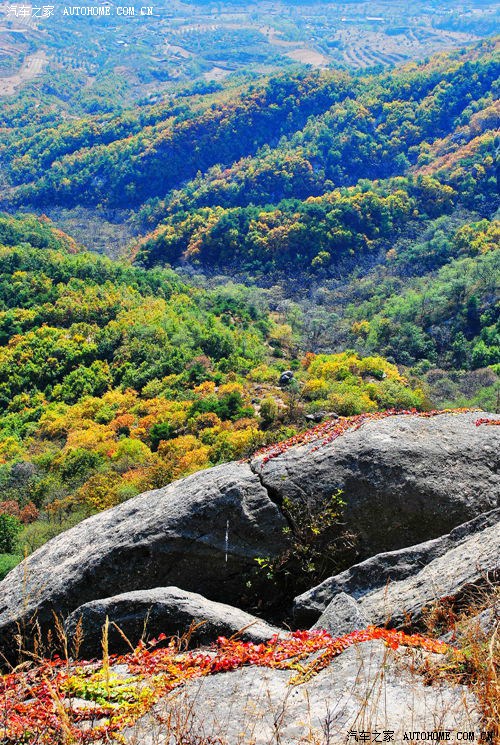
(37, 702)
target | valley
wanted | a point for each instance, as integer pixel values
(337, 227)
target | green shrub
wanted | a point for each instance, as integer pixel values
(10, 527)
(8, 562)
(319, 547)
(35, 535)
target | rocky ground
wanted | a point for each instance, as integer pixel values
(369, 688)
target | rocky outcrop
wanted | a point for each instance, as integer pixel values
(475, 562)
(368, 688)
(171, 536)
(405, 479)
(341, 616)
(165, 610)
(479, 626)
(466, 560)
(377, 572)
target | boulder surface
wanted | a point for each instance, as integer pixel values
(405, 479)
(341, 616)
(367, 688)
(145, 614)
(171, 536)
(474, 563)
(378, 572)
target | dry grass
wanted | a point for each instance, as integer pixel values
(475, 630)
(179, 718)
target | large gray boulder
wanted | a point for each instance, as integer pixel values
(377, 572)
(473, 564)
(368, 688)
(145, 614)
(455, 567)
(171, 536)
(405, 479)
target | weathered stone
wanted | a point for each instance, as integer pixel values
(488, 620)
(391, 566)
(171, 536)
(405, 479)
(368, 688)
(475, 562)
(341, 616)
(483, 624)
(318, 416)
(286, 377)
(145, 614)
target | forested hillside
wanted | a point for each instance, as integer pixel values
(361, 213)
(299, 135)
(399, 149)
(257, 245)
(115, 379)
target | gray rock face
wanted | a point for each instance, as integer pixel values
(367, 688)
(475, 561)
(286, 377)
(378, 571)
(171, 536)
(466, 558)
(341, 616)
(488, 619)
(483, 624)
(147, 613)
(405, 479)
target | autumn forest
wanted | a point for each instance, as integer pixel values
(339, 227)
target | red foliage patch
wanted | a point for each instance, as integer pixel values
(327, 432)
(36, 708)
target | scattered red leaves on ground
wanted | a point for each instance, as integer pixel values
(38, 704)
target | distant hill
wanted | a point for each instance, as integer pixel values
(292, 136)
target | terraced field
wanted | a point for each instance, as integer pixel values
(31, 67)
(196, 40)
(362, 47)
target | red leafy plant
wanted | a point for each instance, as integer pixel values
(328, 431)
(38, 704)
